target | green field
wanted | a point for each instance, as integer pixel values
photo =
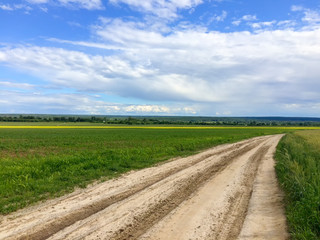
(41, 163)
(298, 170)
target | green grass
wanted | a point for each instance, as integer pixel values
(298, 170)
(37, 164)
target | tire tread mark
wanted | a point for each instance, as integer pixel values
(233, 220)
(146, 220)
(50, 228)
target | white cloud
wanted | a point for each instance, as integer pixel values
(189, 110)
(225, 113)
(287, 24)
(16, 85)
(87, 4)
(249, 18)
(116, 30)
(309, 19)
(218, 18)
(37, 1)
(146, 109)
(245, 18)
(12, 7)
(24, 102)
(262, 24)
(311, 16)
(75, 24)
(296, 8)
(202, 70)
(161, 8)
(86, 44)
(186, 66)
(2, 56)
(44, 9)
(6, 7)
(236, 22)
(311, 109)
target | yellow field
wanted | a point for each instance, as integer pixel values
(312, 137)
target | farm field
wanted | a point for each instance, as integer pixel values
(37, 163)
(298, 170)
(203, 196)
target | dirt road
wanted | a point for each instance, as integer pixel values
(227, 192)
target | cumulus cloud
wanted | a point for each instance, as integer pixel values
(311, 16)
(111, 74)
(146, 109)
(23, 102)
(197, 70)
(267, 68)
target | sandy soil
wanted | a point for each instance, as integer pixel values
(227, 192)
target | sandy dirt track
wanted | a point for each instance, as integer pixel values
(227, 192)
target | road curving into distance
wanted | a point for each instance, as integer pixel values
(227, 192)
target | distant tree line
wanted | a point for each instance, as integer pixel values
(207, 121)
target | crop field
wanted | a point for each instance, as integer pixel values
(40, 163)
(298, 170)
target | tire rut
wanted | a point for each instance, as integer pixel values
(48, 229)
(157, 212)
(208, 165)
(184, 187)
(232, 222)
(216, 210)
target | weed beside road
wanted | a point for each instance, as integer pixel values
(298, 170)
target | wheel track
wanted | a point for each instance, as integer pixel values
(225, 155)
(232, 222)
(132, 226)
(218, 215)
(50, 228)
(161, 209)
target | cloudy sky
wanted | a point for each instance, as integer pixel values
(160, 57)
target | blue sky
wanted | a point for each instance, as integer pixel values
(160, 57)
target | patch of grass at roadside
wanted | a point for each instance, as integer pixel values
(37, 164)
(298, 170)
